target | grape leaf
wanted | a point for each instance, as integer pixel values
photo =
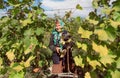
(102, 35)
(114, 23)
(115, 74)
(107, 59)
(93, 63)
(18, 68)
(83, 46)
(95, 3)
(16, 74)
(78, 7)
(95, 22)
(39, 31)
(27, 63)
(87, 75)
(10, 55)
(1, 61)
(84, 33)
(102, 50)
(78, 61)
(26, 22)
(107, 10)
(118, 63)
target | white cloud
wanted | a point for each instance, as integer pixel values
(2, 13)
(86, 4)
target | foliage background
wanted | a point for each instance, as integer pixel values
(25, 33)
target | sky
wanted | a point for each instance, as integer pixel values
(60, 7)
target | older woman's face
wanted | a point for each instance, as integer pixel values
(58, 27)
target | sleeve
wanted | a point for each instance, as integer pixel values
(51, 43)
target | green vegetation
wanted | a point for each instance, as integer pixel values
(25, 33)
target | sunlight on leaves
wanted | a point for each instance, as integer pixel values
(4, 20)
(1, 46)
(107, 10)
(102, 50)
(115, 74)
(10, 55)
(15, 5)
(87, 75)
(92, 21)
(114, 24)
(18, 68)
(25, 22)
(107, 59)
(93, 63)
(27, 63)
(1, 61)
(95, 3)
(16, 45)
(30, 15)
(84, 33)
(16, 74)
(102, 35)
(118, 63)
(78, 61)
(28, 50)
(83, 46)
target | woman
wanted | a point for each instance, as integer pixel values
(55, 45)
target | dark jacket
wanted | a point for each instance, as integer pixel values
(55, 42)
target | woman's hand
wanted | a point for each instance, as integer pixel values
(58, 49)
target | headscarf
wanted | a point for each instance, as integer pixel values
(61, 22)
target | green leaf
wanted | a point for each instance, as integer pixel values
(39, 11)
(115, 74)
(4, 20)
(2, 4)
(118, 63)
(16, 74)
(93, 74)
(92, 21)
(10, 54)
(78, 19)
(114, 24)
(27, 42)
(107, 10)
(102, 35)
(84, 33)
(93, 63)
(102, 50)
(83, 46)
(107, 59)
(29, 32)
(95, 3)
(1, 62)
(39, 31)
(34, 40)
(27, 63)
(111, 33)
(116, 16)
(78, 7)
(16, 66)
(87, 75)
(78, 61)
(116, 5)
(26, 22)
